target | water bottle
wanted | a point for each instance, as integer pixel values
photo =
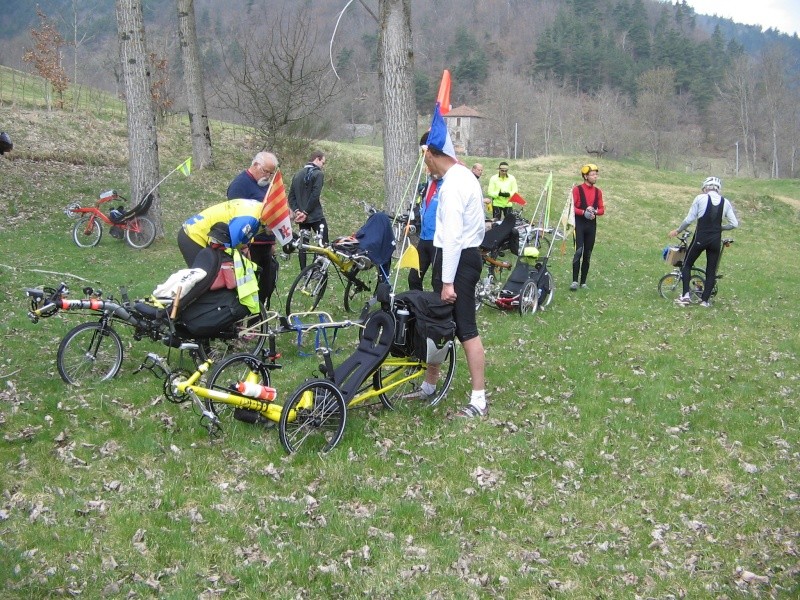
(400, 331)
(256, 390)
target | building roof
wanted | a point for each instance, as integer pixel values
(463, 111)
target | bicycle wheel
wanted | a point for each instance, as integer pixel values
(314, 415)
(394, 371)
(248, 335)
(358, 291)
(307, 289)
(89, 352)
(87, 232)
(140, 232)
(528, 298)
(670, 286)
(231, 370)
(547, 290)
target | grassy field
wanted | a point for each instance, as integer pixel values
(633, 450)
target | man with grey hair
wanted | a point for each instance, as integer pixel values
(709, 209)
(253, 184)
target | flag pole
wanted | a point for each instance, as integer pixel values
(163, 179)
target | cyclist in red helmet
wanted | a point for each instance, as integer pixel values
(588, 201)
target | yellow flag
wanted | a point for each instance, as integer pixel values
(186, 166)
(409, 259)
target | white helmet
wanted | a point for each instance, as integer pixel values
(712, 182)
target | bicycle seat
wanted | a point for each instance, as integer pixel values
(149, 311)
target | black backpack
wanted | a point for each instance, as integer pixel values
(430, 319)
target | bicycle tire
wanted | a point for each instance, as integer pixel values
(90, 351)
(315, 414)
(247, 336)
(528, 298)
(87, 232)
(358, 292)
(140, 232)
(670, 286)
(225, 374)
(307, 289)
(398, 368)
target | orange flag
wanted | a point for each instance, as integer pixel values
(517, 199)
(275, 212)
(443, 97)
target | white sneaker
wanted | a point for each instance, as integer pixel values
(705, 304)
(683, 300)
(574, 286)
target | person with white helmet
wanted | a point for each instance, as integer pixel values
(587, 199)
(714, 214)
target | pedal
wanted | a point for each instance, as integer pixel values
(156, 365)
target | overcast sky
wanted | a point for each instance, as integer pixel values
(783, 15)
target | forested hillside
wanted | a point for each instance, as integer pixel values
(640, 78)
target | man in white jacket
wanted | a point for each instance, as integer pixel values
(710, 210)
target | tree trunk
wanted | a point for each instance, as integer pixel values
(142, 134)
(396, 76)
(196, 98)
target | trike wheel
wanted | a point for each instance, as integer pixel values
(314, 417)
(89, 352)
(231, 370)
(307, 289)
(248, 335)
(528, 298)
(405, 376)
(358, 291)
(87, 232)
(140, 232)
(546, 289)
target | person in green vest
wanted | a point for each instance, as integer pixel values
(502, 186)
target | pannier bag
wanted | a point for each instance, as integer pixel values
(212, 313)
(430, 328)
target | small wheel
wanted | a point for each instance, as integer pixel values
(228, 372)
(307, 289)
(170, 392)
(669, 286)
(248, 335)
(89, 352)
(140, 232)
(394, 370)
(547, 289)
(87, 232)
(528, 298)
(358, 292)
(697, 283)
(314, 416)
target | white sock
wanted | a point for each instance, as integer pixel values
(478, 399)
(428, 388)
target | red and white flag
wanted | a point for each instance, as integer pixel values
(275, 213)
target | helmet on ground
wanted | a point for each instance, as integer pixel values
(588, 168)
(712, 182)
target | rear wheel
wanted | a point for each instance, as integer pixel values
(227, 373)
(89, 352)
(528, 298)
(307, 289)
(358, 291)
(670, 286)
(313, 417)
(140, 232)
(87, 232)
(395, 370)
(248, 335)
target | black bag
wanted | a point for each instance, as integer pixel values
(212, 313)
(430, 319)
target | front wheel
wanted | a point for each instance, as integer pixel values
(307, 290)
(87, 232)
(546, 289)
(670, 286)
(359, 290)
(314, 416)
(140, 232)
(401, 379)
(230, 371)
(528, 298)
(89, 352)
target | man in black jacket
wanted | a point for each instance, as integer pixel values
(304, 199)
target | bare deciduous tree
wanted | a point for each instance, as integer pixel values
(738, 94)
(396, 76)
(655, 107)
(46, 59)
(193, 77)
(277, 82)
(142, 134)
